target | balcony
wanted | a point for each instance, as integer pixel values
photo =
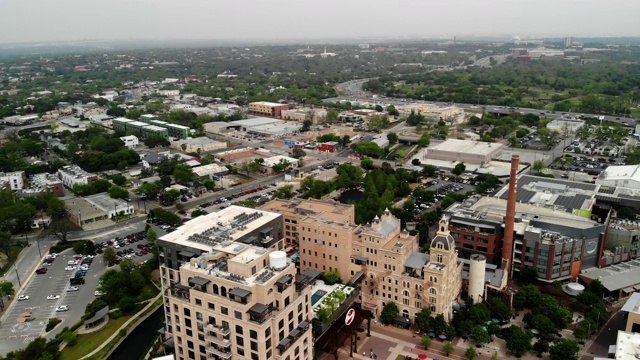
(219, 353)
(225, 343)
(218, 329)
(260, 312)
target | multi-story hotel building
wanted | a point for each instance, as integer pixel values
(380, 255)
(237, 302)
(233, 299)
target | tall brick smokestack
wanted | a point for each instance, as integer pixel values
(507, 241)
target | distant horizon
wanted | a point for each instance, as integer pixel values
(38, 21)
(325, 40)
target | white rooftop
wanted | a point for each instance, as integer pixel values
(627, 346)
(269, 162)
(267, 103)
(623, 172)
(466, 146)
(222, 221)
(254, 122)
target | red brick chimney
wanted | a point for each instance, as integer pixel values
(507, 240)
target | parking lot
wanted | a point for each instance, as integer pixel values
(15, 332)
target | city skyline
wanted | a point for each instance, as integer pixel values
(255, 20)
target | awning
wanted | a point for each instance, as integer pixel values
(181, 287)
(629, 290)
(303, 324)
(188, 254)
(239, 292)
(99, 315)
(362, 258)
(294, 333)
(284, 342)
(356, 277)
(637, 287)
(199, 281)
(258, 309)
(284, 280)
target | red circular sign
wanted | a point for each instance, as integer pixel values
(351, 314)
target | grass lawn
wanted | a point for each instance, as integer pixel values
(400, 357)
(88, 342)
(635, 113)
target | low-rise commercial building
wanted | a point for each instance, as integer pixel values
(626, 176)
(623, 236)
(264, 108)
(464, 151)
(317, 116)
(139, 127)
(234, 154)
(74, 175)
(44, 182)
(193, 144)
(270, 162)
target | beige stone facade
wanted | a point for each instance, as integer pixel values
(233, 303)
(432, 111)
(268, 109)
(381, 255)
(317, 116)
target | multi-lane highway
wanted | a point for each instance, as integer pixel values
(353, 89)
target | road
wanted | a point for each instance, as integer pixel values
(14, 335)
(354, 90)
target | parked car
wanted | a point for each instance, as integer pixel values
(53, 297)
(23, 297)
(41, 271)
(62, 308)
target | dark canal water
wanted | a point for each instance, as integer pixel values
(352, 196)
(136, 344)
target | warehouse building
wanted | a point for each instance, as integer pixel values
(464, 151)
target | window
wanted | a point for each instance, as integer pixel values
(198, 302)
(483, 240)
(432, 299)
(542, 262)
(237, 314)
(439, 257)
(254, 346)
(543, 253)
(211, 306)
(240, 351)
(239, 340)
(468, 237)
(199, 316)
(224, 310)
(187, 312)
(267, 332)
(253, 334)
(433, 291)
(239, 329)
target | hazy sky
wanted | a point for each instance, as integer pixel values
(46, 20)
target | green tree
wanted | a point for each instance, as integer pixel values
(564, 349)
(152, 235)
(538, 165)
(392, 137)
(389, 312)
(478, 314)
(284, 192)
(459, 169)
(61, 228)
(426, 341)
(331, 277)
(154, 140)
(448, 348)
(349, 176)
(119, 179)
(528, 296)
(543, 324)
(5, 243)
(298, 153)
(332, 115)
(116, 192)
(541, 346)
(377, 122)
(471, 353)
(109, 255)
(424, 140)
(430, 170)
(183, 174)
(366, 164)
(306, 125)
(499, 308)
(518, 340)
(480, 335)
(423, 319)
(584, 329)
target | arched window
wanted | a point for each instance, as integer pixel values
(223, 291)
(432, 308)
(433, 291)
(439, 258)
(405, 313)
(215, 289)
(405, 292)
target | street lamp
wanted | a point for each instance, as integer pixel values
(17, 275)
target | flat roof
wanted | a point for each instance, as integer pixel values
(255, 122)
(200, 141)
(87, 210)
(154, 127)
(107, 203)
(467, 146)
(219, 226)
(616, 277)
(266, 103)
(632, 304)
(623, 172)
(268, 162)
